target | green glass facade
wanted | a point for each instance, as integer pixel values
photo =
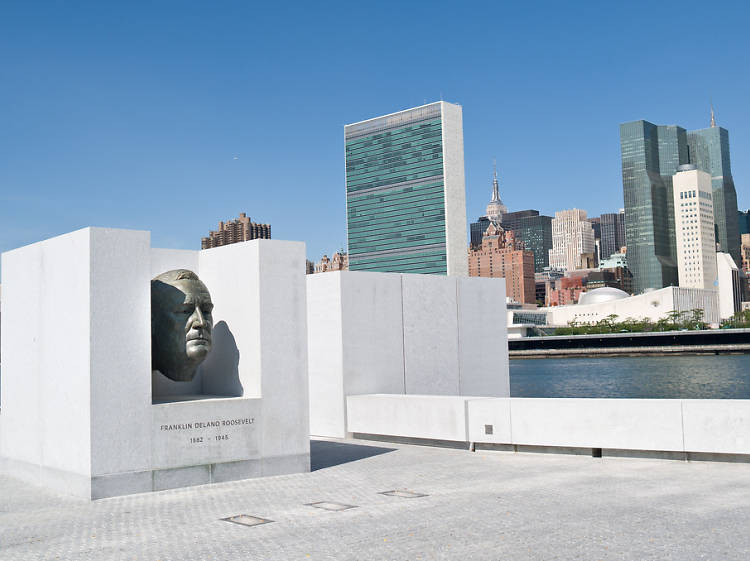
(395, 193)
(650, 157)
(709, 151)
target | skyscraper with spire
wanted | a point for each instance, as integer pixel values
(496, 208)
(651, 155)
(708, 149)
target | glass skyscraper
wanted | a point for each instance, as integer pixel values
(650, 157)
(709, 151)
(612, 233)
(405, 192)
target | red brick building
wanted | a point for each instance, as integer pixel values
(565, 291)
(502, 256)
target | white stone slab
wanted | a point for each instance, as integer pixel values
(489, 420)
(45, 350)
(717, 425)
(482, 337)
(431, 361)
(325, 355)
(282, 303)
(120, 350)
(632, 424)
(207, 431)
(373, 351)
(413, 416)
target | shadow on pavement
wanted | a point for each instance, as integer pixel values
(325, 454)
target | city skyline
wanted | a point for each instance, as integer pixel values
(205, 107)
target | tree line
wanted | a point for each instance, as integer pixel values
(673, 321)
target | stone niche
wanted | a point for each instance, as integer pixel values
(81, 410)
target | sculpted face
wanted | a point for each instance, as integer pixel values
(181, 324)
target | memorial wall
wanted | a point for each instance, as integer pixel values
(129, 369)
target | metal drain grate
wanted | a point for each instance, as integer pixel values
(403, 494)
(247, 520)
(330, 506)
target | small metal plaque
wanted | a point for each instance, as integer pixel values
(247, 520)
(403, 494)
(331, 506)
(488, 429)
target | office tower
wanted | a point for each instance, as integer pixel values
(572, 241)
(495, 209)
(709, 151)
(743, 217)
(596, 226)
(477, 230)
(650, 157)
(694, 227)
(405, 192)
(535, 231)
(241, 229)
(612, 233)
(745, 250)
(501, 255)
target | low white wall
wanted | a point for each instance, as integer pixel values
(401, 334)
(671, 425)
(415, 416)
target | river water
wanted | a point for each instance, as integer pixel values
(672, 377)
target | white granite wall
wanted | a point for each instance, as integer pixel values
(77, 413)
(402, 334)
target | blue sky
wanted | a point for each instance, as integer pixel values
(171, 116)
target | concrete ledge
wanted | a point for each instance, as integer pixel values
(104, 486)
(669, 428)
(433, 417)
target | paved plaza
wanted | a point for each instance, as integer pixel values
(451, 504)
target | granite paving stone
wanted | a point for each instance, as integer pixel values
(477, 505)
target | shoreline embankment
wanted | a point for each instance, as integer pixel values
(668, 343)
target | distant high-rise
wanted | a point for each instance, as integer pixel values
(596, 226)
(709, 151)
(743, 217)
(241, 229)
(405, 192)
(694, 227)
(612, 233)
(477, 230)
(534, 231)
(572, 241)
(651, 155)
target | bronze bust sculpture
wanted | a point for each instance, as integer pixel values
(181, 324)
